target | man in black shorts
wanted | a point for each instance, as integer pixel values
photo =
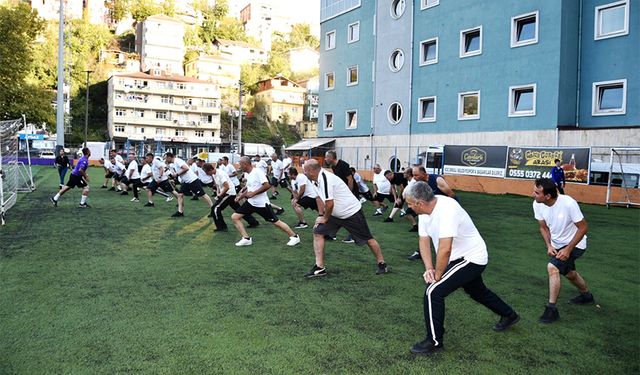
(338, 207)
(160, 179)
(303, 196)
(255, 191)
(78, 178)
(190, 183)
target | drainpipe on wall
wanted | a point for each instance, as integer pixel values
(579, 65)
(373, 78)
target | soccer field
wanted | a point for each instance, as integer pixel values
(121, 288)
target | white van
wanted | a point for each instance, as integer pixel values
(47, 155)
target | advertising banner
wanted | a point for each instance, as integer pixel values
(488, 161)
(537, 162)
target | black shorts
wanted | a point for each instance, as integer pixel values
(124, 180)
(568, 265)
(308, 202)
(194, 187)
(266, 212)
(164, 185)
(76, 181)
(356, 225)
(381, 197)
(275, 182)
(109, 174)
(118, 177)
(367, 195)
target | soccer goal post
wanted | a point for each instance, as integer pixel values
(15, 176)
(624, 177)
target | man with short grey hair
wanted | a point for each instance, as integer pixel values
(461, 257)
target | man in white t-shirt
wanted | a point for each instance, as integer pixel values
(286, 164)
(225, 195)
(277, 175)
(189, 183)
(160, 179)
(119, 169)
(255, 191)
(381, 190)
(337, 208)
(131, 177)
(564, 231)
(461, 256)
(303, 196)
(260, 164)
(231, 172)
(109, 173)
(363, 189)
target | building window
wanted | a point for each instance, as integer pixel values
(200, 133)
(427, 108)
(395, 113)
(471, 42)
(469, 105)
(429, 51)
(139, 113)
(213, 134)
(329, 81)
(159, 131)
(164, 99)
(426, 4)
(396, 60)
(330, 40)
(397, 8)
(351, 119)
(161, 115)
(119, 128)
(522, 100)
(611, 20)
(353, 32)
(179, 133)
(181, 86)
(141, 130)
(524, 29)
(609, 98)
(328, 121)
(120, 112)
(352, 75)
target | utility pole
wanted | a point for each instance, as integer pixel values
(86, 109)
(240, 93)
(60, 88)
(231, 130)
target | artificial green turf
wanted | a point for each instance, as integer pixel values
(121, 288)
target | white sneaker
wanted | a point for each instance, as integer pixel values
(169, 199)
(293, 241)
(362, 200)
(247, 242)
(135, 200)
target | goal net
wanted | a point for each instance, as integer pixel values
(624, 177)
(14, 175)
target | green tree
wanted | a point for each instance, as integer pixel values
(169, 8)
(143, 9)
(118, 9)
(301, 36)
(19, 27)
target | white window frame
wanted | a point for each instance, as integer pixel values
(327, 46)
(598, 20)
(512, 100)
(395, 15)
(324, 121)
(392, 67)
(464, 54)
(461, 96)
(595, 111)
(389, 113)
(435, 109)
(349, 75)
(424, 4)
(346, 119)
(514, 29)
(326, 81)
(428, 62)
(357, 37)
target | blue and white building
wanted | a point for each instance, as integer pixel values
(434, 72)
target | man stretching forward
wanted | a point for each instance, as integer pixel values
(190, 183)
(78, 178)
(255, 192)
(461, 256)
(564, 231)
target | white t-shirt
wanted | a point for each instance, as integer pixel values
(262, 165)
(449, 219)
(109, 166)
(362, 186)
(119, 159)
(119, 167)
(221, 177)
(255, 179)
(156, 167)
(204, 177)
(186, 177)
(146, 169)
(561, 219)
(276, 167)
(384, 186)
(331, 187)
(133, 169)
(309, 191)
(194, 168)
(230, 169)
(286, 164)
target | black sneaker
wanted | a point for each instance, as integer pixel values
(83, 205)
(301, 225)
(103, 187)
(124, 193)
(550, 315)
(414, 256)
(382, 269)
(54, 201)
(273, 197)
(506, 322)
(377, 213)
(414, 228)
(581, 299)
(112, 188)
(388, 220)
(178, 214)
(149, 204)
(315, 272)
(280, 211)
(194, 198)
(425, 347)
